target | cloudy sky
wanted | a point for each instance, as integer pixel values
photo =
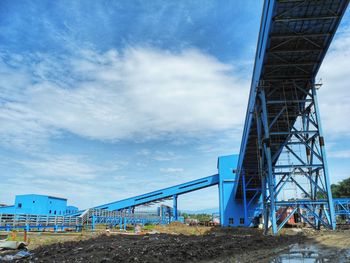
(102, 100)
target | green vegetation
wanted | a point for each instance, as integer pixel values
(341, 189)
(13, 236)
(148, 227)
(199, 217)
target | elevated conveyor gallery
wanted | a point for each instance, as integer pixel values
(231, 212)
(282, 140)
(170, 192)
(282, 144)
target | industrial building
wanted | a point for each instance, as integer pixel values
(35, 204)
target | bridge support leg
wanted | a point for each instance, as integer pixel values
(93, 219)
(327, 184)
(266, 166)
(245, 206)
(292, 159)
(261, 173)
(175, 207)
(266, 144)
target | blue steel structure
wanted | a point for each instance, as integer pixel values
(342, 207)
(170, 192)
(283, 143)
(123, 219)
(232, 212)
(283, 147)
(30, 222)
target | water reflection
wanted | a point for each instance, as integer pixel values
(308, 253)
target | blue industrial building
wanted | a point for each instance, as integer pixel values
(70, 209)
(38, 205)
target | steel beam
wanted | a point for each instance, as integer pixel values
(162, 194)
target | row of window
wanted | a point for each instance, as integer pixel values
(50, 211)
(231, 221)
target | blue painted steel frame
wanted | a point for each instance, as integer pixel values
(165, 193)
(342, 207)
(259, 174)
(288, 27)
(28, 228)
(175, 207)
(322, 210)
(265, 24)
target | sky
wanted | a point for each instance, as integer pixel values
(103, 100)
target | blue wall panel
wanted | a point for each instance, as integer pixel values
(38, 205)
(230, 210)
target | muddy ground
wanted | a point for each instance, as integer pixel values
(229, 245)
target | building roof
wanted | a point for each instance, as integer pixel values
(48, 196)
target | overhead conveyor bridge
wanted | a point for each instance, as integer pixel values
(156, 196)
(282, 164)
(232, 213)
(283, 143)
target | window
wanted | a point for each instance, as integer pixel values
(54, 212)
(19, 205)
(241, 221)
(230, 221)
(33, 202)
(50, 212)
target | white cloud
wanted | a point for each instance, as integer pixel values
(339, 154)
(171, 170)
(161, 156)
(72, 176)
(334, 96)
(66, 167)
(139, 94)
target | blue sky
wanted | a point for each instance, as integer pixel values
(101, 100)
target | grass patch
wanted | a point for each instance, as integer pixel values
(179, 228)
(149, 227)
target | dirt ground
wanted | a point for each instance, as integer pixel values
(206, 245)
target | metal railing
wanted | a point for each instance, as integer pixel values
(93, 216)
(38, 222)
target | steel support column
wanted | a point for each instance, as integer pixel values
(267, 166)
(300, 164)
(245, 206)
(327, 184)
(175, 207)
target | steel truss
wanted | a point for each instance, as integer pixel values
(342, 207)
(299, 162)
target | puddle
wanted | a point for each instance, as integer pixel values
(308, 253)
